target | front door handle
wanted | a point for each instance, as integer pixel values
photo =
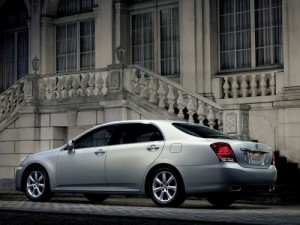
(99, 153)
(152, 148)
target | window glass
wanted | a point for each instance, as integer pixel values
(95, 138)
(142, 40)
(72, 44)
(137, 133)
(200, 131)
(237, 49)
(144, 44)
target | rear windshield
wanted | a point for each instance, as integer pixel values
(200, 131)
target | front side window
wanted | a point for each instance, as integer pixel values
(96, 138)
(250, 34)
(75, 41)
(156, 42)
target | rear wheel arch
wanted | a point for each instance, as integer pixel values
(155, 168)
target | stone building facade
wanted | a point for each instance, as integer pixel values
(229, 64)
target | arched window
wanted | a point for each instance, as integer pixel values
(75, 39)
(13, 43)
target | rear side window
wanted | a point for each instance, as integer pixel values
(200, 131)
(136, 133)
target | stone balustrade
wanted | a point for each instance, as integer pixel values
(248, 84)
(173, 97)
(60, 86)
(11, 99)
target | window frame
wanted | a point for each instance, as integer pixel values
(77, 18)
(253, 46)
(155, 9)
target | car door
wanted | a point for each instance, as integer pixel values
(135, 146)
(84, 166)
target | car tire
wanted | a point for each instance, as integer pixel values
(96, 197)
(222, 200)
(166, 188)
(37, 185)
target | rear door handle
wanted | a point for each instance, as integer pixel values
(152, 148)
(100, 152)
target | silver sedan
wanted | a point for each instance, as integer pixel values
(166, 160)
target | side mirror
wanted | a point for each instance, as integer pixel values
(70, 146)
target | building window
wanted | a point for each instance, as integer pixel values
(75, 41)
(13, 43)
(169, 41)
(250, 34)
(156, 42)
(142, 40)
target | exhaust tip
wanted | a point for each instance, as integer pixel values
(235, 188)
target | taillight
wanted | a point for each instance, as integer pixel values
(223, 151)
(273, 158)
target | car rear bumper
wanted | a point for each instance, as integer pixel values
(226, 177)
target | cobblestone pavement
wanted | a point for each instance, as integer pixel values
(191, 210)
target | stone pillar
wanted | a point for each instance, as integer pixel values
(236, 121)
(122, 33)
(34, 32)
(104, 39)
(47, 46)
(187, 44)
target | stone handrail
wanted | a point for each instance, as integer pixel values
(11, 98)
(250, 84)
(175, 98)
(64, 86)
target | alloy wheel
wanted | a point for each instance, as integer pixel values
(164, 187)
(36, 184)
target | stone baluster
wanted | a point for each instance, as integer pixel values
(91, 84)
(19, 93)
(220, 120)
(60, 86)
(143, 85)
(134, 81)
(68, 86)
(152, 90)
(99, 82)
(83, 84)
(263, 85)
(226, 87)
(5, 105)
(272, 83)
(211, 117)
(161, 94)
(201, 112)
(235, 86)
(244, 86)
(75, 86)
(1, 106)
(253, 85)
(191, 108)
(48, 88)
(171, 98)
(104, 88)
(180, 104)
(12, 99)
